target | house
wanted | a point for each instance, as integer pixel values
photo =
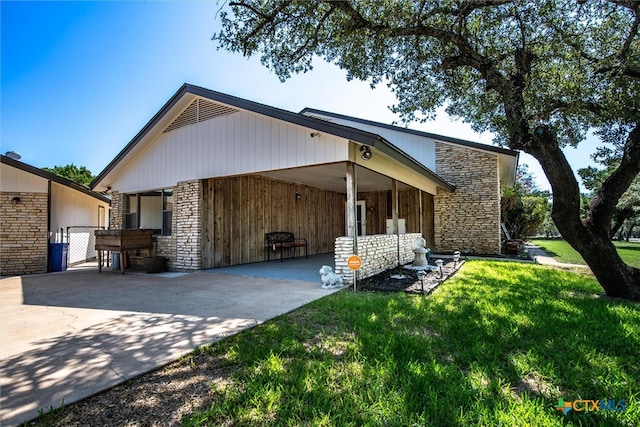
(212, 173)
(38, 208)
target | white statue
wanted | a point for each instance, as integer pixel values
(330, 279)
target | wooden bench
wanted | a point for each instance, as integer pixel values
(281, 240)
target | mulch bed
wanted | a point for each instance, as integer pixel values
(387, 281)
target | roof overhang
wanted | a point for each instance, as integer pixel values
(507, 159)
(52, 177)
(387, 160)
(188, 93)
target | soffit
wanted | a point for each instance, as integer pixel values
(333, 177)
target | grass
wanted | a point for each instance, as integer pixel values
(498, 344)
(563, 252)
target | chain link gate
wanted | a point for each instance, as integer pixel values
(82, 243)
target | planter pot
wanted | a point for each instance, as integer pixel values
(154, 264)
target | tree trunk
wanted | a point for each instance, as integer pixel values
(616, 278)
(630, 231)
(591, 238)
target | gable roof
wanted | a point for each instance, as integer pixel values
(52, 177)
(507, 159)
(470, 144)
(188, 91)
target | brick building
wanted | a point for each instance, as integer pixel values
(36, 209)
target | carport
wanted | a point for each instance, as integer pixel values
(68, 335)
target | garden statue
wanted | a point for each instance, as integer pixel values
(330, 279)
(420, 259)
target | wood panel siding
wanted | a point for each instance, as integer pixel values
(378, 207)
(238, 211)
(428, 226)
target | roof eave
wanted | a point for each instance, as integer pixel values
(52, 177)
(434, 136)
(346, 132)
(403, 157)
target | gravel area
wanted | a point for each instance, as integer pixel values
(388, 281)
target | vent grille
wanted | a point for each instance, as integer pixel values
(325, 119)
(199, 111)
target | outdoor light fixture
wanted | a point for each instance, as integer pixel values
(439, 265)
(15, 200)
(421, 275)
(298, 196)
(366, 152)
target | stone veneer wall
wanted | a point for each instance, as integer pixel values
(116, 216)
(187, 216)
(379, 252)
(468, 219)
(23, 233)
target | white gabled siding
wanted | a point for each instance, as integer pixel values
(15, 180)
(71, 207)
(420, 148)
(232, 144)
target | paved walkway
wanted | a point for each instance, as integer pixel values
(541, 257)
(68, 335)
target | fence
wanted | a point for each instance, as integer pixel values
(82, 243)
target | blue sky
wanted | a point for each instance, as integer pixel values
(80, 79)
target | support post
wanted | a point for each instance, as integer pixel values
(395, 213)
(395, 205)
(352, 195)
(420, 213)
(351, 200)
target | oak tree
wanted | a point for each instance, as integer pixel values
(537, 74)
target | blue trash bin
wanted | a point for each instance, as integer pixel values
(115, 260)
(59, 253)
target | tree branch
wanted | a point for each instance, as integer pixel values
(606, 198)
(622, 66)
(264, 20)
(629, 4)
(466, 7)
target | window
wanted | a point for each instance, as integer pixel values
(152, 209)
(167, 212)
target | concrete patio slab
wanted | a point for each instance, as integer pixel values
(65, 336)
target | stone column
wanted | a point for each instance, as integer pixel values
(118, 209)
(188, 225)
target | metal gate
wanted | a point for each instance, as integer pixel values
(82, 243)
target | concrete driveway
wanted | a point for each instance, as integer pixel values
(68, 335)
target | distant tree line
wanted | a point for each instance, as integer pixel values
(78, 174)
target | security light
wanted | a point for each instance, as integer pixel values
(366, 152)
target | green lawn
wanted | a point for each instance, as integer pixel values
(563, 252)
(498, 344)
